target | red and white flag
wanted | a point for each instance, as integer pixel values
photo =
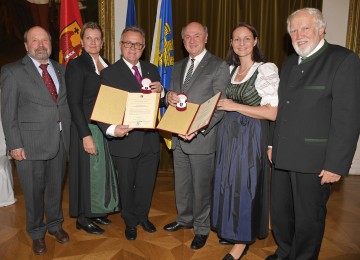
(70, 26)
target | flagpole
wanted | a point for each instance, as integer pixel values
(156, 33)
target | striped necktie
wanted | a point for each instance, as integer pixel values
(189, 74)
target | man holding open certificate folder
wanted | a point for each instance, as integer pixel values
(200, 77)
(135, 152)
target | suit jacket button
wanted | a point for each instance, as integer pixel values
(287, 102)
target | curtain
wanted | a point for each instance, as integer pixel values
(220, 16)
(353, 34)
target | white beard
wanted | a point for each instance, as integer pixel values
(306, 51)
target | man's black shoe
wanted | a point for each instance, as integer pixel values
(174, 226)
(130, 233)
(148, 226)
(102, 221)
(60, 235)
(199, 241)
(90, 228)
(39, 246)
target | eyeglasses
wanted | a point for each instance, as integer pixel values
(136, 45)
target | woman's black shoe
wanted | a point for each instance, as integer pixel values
(90, 228)
(245, 251)
(230, 257)
(225, 242)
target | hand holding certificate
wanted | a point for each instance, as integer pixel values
(117, 107)
(194, 118)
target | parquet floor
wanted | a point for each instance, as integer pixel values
(342, 240)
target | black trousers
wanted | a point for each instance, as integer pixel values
(298, 209)
(136, 183)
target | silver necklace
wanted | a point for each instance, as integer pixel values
(244, 70)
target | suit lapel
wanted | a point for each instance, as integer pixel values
(32, 71)
(35, 75)
(145, 70)
(183, 68)
(60, 78)
(199, 69)
(129, 79)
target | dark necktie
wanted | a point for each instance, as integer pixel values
(302, 59)
(137, 75)
(189, 74)
(48, 81)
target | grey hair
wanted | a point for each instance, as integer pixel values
(315, 13)
(133, 29)
(27, 32)
(183, 29)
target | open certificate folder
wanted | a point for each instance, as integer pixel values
(118, 107)
(194, 118)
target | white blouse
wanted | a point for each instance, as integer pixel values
(266, 83)
(101, 61)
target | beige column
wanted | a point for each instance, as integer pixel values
(355, 167)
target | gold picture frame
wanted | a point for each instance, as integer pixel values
(106, 21)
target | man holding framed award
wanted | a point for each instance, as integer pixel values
(199, 77)
(135, 151)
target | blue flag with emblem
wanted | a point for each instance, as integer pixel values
(162, 52)
(130, 14)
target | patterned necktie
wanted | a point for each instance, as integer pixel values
(48, 81)
(189, 74)
(137, 75)
(302, 59)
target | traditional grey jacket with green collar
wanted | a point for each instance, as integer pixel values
(318, 121)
